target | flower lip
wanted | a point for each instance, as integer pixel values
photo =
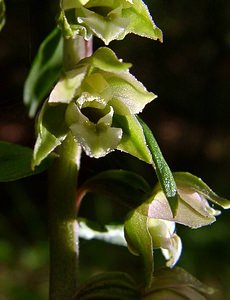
(94, 114)
(164, 237)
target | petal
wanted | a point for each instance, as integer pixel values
(173, 253)
(96, 85)
(105, 59)
(107, 29)
(163, 236)
(133, 138)
(185, 179)
(89, 100)
(107, 119)
(129, 95)
(161, 232)
(159, 208)
(97, 140)
(51, 131)
(141, 22)
(96, 144)
(197, 202)
(66, 87)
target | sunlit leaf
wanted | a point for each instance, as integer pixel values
(163, 171)
(45, 71)
(15, 162)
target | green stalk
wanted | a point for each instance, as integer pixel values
(63, 225)
(64, 252)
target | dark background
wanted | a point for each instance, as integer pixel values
(190, 119)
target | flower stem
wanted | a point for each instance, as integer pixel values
(63, 175)
(62, 218)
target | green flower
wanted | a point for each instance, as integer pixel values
(97, 102)
(108, 20)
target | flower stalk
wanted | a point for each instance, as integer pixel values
(63, 227)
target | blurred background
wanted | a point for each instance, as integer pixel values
(190, 73)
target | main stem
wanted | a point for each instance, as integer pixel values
(63, 175)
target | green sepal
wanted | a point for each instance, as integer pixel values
(185, 179)
(111, 285)
(45, 71)
(124, 186)
(112, 234)
(51, 131)
(15, 162)
(176, 284)
(162, 169)
(140, 242)
(105, 59)
(141, 22)
(2, 14)
(133, 139)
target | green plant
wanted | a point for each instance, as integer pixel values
(93, 107)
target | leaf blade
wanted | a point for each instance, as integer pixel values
(15, 162)
(45, 70)
(127, 187)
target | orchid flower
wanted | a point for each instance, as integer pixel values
(108, 20)
(97, 101)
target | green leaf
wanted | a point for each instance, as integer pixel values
(113, 285)
(51, 131)
(113, 234)
(123, 186)
(15, 162)
(44, 72)
(185, 179)
(2, 14)
(162, 169)
(140, 242)
(133, 138)
(176, 284)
